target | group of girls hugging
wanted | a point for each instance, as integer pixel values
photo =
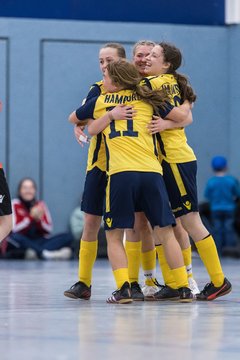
(141, 178)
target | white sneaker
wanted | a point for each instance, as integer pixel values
(64, 253)
(31, 254)
(148, 290)
(193, 286)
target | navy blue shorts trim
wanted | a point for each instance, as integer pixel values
(5, 199)
(181, 184)
(129, 191)
(94, 192)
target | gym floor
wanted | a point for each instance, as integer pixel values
(38, 323)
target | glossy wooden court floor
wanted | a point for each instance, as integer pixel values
(38, 323)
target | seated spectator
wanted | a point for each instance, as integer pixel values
(76, 223)
(32, 226)
(222, 191)
(76, 227)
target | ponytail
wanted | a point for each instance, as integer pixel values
(173, 56)
(186, 90)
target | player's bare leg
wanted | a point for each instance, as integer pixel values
(5, 226)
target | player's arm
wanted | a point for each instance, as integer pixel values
(120, 112)
(74, 119)
(86, 106)
(158, 124)
(95, 91)
(80, 136)
(176, 113)
(85, 112)
(179, 113)
(169, 111)
(98, 125)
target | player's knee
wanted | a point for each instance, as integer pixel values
(9, 224)
(6, 224)
(92, 225)
(179, 231)
(141, 222)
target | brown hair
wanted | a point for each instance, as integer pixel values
(125, 75)
(120, 49)
(173, 56)
(19, 188)
(142, 43)
(32, 202)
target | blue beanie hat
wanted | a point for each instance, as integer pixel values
(219, 163)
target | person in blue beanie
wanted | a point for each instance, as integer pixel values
(222, 191)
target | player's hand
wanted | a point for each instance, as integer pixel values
(123, 112)
(156, 125)
(80, 136)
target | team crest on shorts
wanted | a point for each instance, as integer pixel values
(187, 205)
(108, 221)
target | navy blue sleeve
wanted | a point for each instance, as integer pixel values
(86, 111)
(146, 82)
(165, 110)
(95, 91)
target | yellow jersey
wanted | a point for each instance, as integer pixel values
(129, 146)
(173, 142)
(96, 151)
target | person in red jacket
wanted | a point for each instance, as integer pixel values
(32, 226)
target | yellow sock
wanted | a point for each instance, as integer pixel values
(180, 276)
(208, 253)
(187, 257)
(121, 276)
(166, 271)
(87, 257)
(148, 260)
(133, 251)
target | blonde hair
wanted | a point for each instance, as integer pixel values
(142, 43)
